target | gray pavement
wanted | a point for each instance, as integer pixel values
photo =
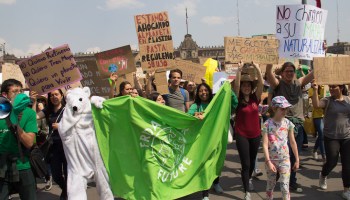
(232, 184)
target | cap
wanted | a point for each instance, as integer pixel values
(281, 102)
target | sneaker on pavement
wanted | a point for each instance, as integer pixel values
(295, 188)
(323, 182)
(251, 186)
(315, 155)
(257, 173)
(48, 184)
(346, 195)
(218, 189)
(205, 198)
(247, 196)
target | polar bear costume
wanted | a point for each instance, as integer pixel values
(77, 132)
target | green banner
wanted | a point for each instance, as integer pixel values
(152, 151)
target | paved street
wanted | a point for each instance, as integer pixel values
(231, 181)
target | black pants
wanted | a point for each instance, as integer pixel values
(59, 165)
(26, 186)
(333, 148)
(205, 193)
(247, 150)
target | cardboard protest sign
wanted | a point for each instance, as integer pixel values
(231, 71)
(119, 60)
(300, 29)
(332, 70)
(92, 78)
(71, 86)
(10, 70)
(162, 82)
(219, 79)
(155, 41)
(190, 71)
(50, 70)
(261, 51)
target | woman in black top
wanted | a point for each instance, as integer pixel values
(53, 113)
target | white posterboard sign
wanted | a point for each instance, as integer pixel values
(219, 79)
(300, 30)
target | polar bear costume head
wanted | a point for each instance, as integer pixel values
(78, 107)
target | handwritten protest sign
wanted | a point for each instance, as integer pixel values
(10, 70)
(262, 51)
(190, 71)
(50, 70)
(92, 78)
(332, 70)
(71, 86)
(155, 41)
(300, 29)
(119, 60)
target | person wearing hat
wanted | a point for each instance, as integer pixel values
(276, 132)
(291, 88)
(247, 124)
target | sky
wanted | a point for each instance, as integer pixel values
(29, 27)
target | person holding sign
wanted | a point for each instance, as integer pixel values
(247, 126)
(291, 89)
(336, 133)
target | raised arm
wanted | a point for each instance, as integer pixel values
(237, 83)
(150, 76)
(273, 81)
(137, 83)
(260, 85)
(306, 79)
(315, 100)
(112, 82)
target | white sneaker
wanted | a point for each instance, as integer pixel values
(205, 198)
(48, 184)
(315, 155)
(251, 186)
(346, 195)
(247, 196)
(323, 182)
(256, 173)
(218, 189)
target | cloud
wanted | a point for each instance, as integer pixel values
(191, 5)
(7, 2)
(216, 20)
(117, 4)
(93, 49)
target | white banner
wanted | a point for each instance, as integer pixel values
(219, 79)
(300, 30)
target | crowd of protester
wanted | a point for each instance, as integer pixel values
(280, 130)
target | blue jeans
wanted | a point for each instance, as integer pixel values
(318, 123)
(299, 140)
